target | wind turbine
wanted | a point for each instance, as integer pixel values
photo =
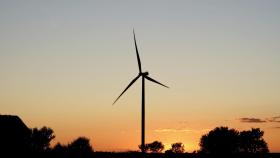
(144, 76)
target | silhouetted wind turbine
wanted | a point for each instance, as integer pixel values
(144, 76)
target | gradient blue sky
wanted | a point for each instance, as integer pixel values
(62, 64)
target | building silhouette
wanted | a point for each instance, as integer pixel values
(14, 136)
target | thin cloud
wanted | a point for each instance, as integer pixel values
(274, 119)
(251, 120)
(173, 130)
(183, 122)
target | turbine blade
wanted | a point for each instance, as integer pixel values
(126, 88)
(153, 80)
(138, 57)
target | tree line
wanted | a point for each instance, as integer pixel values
(220, 140)
(16, 138)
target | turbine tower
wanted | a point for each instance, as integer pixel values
(143, 75)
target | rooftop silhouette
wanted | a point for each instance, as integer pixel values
(14, 135)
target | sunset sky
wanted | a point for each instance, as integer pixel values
(63, 63)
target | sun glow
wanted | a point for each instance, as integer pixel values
(63, 64)
(189, 147)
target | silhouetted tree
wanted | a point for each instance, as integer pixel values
(251, 141)
(177, 147)
(169, 151)
(80, 147)
(145, 147)
(155, 147)
(221, 140)
(41, 138)
(58, 147)
(59, 150)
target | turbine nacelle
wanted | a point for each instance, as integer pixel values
(144, 73)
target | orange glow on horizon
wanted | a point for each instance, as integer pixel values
(63, 64)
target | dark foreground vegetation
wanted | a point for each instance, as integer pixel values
(17, 140)
(181, 155)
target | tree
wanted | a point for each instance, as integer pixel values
(59, 150)
(155, 147)
(144, 148)
(80, 147)
(251, 141)
(41, 138)
(221, 140)
(169, 151)
(177, 147)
